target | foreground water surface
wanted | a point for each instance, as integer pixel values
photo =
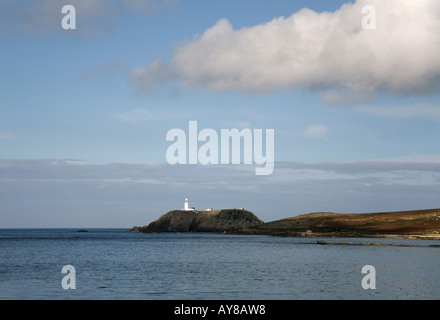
(114, 264)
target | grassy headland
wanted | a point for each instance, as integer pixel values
(415, 224)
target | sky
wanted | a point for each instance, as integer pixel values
(85, 112)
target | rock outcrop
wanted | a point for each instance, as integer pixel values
(226, 220)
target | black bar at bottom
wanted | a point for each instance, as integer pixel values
(214, 309)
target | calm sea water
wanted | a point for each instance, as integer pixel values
(114, 264)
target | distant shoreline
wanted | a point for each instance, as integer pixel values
(413, 225)
(342, 235)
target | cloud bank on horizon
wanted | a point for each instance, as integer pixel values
(73, 193)
(328, 52)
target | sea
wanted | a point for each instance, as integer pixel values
(112, 264)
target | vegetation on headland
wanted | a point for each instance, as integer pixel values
(226, 220)
(415, 224)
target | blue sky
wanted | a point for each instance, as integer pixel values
(350, 107)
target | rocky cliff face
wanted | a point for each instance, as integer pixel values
(227, 220)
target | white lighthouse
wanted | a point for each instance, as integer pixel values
(186, 207)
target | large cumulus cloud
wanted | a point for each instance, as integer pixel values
(329, 52)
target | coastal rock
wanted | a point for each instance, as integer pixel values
(135, 229)
(223, 221)
(370, 244)
(323, 242)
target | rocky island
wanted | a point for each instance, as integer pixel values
(220, 221)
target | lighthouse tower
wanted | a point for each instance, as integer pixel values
(186, 207)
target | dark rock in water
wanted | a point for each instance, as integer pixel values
(225, 221)
(82, 230)
(135, 229)
(370, 244)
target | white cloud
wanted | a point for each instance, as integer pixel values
(149, 6)
(322, 51)
(403, 111)
(44, 16)
(136, 116)
(415, 158)
(141, 115)
(41, 17)
(155, 73)
(345, 96)
(315, 132)
(105, 70)
(5, 136)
